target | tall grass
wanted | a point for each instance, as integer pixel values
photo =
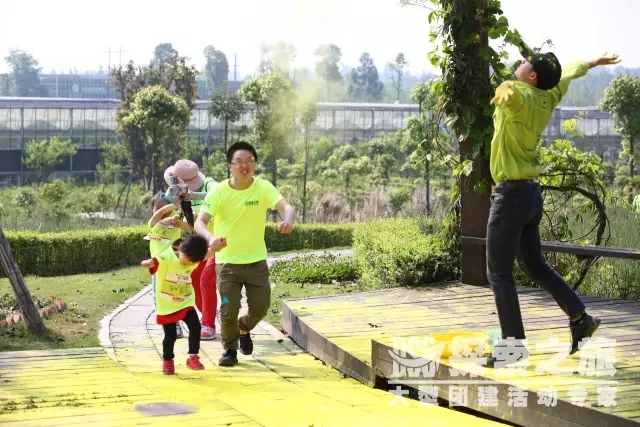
(612, 277)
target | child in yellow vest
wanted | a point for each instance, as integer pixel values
(165, 228)
(174, 295)
(165, 224)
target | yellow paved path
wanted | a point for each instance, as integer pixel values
(121, 385)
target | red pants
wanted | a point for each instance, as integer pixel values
(205, 287)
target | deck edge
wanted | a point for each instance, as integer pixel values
(564, 414)
(322, 348)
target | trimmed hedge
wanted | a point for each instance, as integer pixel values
(323, 268)
(87, 251)
(409, 252)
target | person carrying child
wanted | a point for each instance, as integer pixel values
(174, 294)
(204, 277)
(523, 110)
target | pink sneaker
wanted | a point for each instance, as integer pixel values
(207, 333)
(193, 362)
(168, 368)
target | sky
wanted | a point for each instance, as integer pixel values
(67, 34)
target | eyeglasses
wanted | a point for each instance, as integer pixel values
(240, 163)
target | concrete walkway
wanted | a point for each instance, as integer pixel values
(121, 384)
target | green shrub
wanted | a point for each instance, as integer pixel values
(315, 269)
(409, 252)
(309, 236)
(85, 251)
(73, 252)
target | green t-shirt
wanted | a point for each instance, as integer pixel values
(209, 183)
(636, 203)
(160, 235)
(174, 291)
(520, 122)
(241, 216)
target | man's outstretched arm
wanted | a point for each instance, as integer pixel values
(579, 69)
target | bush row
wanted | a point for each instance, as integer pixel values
(406, 252)
(86, 251)
(323, 268)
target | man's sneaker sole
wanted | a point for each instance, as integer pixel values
(227, 362)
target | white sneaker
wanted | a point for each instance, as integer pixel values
(208, 333)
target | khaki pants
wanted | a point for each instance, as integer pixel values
(231, 278)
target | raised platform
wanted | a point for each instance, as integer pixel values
(368, 335)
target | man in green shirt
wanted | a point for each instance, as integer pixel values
(523, 110)
(238, 209)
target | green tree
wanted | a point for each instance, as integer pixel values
(24, 79)
(176, 76)
(396, 69)
(622, 98)
(164, 53)
(347, 165)
(365, 84)
(228, 107)
(398, 198)
(275, 116)
(216, 68)
(43, 156)
(110, 166)
(422, 133)
(327, 68)
(279, 59)
(466, 61)
(308, 115)
(385, 153)
(163, 118)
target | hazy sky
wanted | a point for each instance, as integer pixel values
(63, 34)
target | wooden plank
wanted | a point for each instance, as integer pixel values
(568, 248)
(349, 325)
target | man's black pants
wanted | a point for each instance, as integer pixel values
(171, 335)
(513, 233)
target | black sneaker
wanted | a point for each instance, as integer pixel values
(507, 352)
(582, 330)
(246, 344)
(228, 358)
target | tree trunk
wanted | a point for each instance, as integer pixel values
(154, 161)
(26, 305)
(632, 160)
(226, 133)
(427, 187)
(304, 176)
(474, 212)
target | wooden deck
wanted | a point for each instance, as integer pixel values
(355, 333)
(277, 386)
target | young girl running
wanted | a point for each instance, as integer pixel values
(174, 295)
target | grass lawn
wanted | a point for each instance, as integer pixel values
(90, 297)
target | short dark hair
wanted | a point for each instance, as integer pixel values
(241, 145)
(194, 247)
